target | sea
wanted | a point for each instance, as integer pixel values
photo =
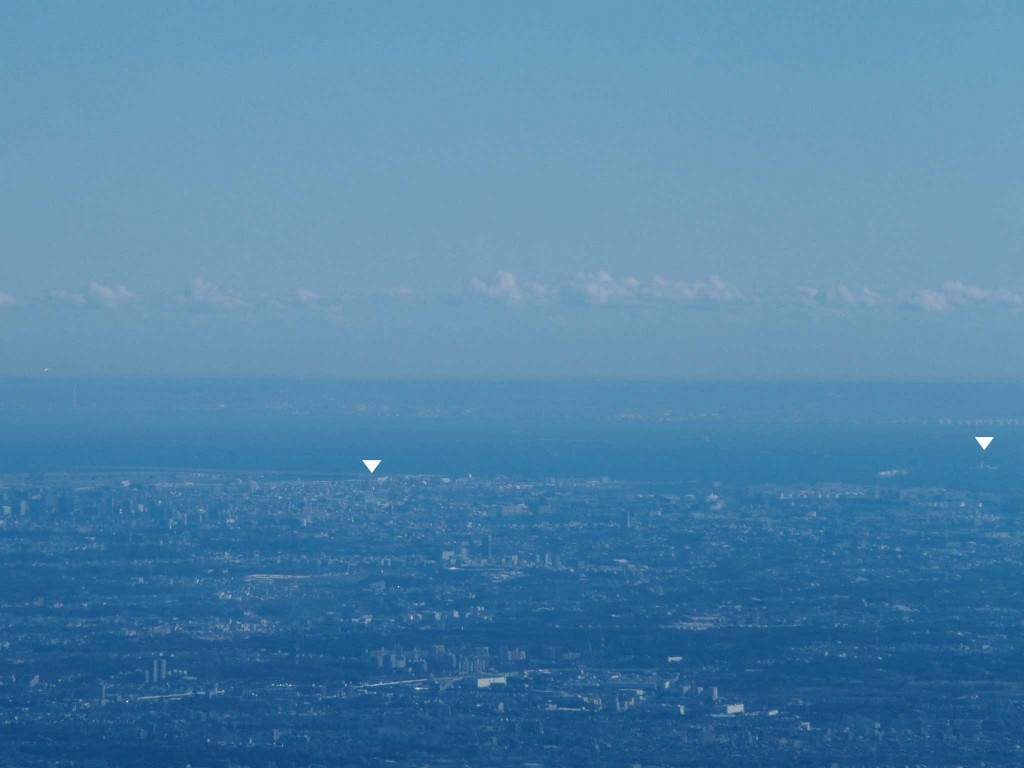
(662, 434)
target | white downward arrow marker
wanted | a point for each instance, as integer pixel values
(372, 464)
(983, 442)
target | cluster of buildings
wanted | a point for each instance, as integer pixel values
(213, 619)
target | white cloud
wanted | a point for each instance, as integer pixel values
(714, 289)
(505, 287)
(950, 295)
(864, 297)
(598, 288)
(97, 295)
(603, 288)
(840, 296)
(964, 294)
(401, 293)
(960, 294)
(6, 300)
(306, 296)
(205, 292)
(808, 295)
(316, 303)
(954, 293)
(111, 296)
(71, 297)
(1008, 297)
(930, 301)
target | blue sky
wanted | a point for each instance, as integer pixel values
(540, 191)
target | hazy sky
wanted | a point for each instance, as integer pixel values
(540, 190)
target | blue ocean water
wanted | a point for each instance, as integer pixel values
(895, 435)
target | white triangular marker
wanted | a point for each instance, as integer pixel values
(983, 442)
(372, 464)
